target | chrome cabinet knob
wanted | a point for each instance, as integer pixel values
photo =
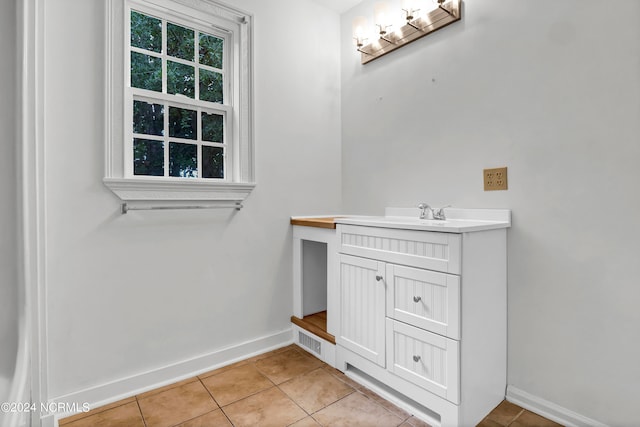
(417, 299)
(416, 358)
(378, 277)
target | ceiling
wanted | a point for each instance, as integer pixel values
(339, 6)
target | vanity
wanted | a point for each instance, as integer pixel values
(419, 309)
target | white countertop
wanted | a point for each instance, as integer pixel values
(458, 220)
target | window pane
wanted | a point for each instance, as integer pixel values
(212, 162)
(181, 79)
(146, 32)
(148, 157)
(180, 41)
(212, 127)
(148, 118)
(183, 123)
(211, 49)
(210, 86)
(146, 72)
(183, 160)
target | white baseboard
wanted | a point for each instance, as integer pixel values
(140, 383)
(549, 410)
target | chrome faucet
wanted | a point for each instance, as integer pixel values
(424, 208)
(437, 214)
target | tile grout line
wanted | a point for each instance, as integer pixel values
(247, 396)
(165, 388)
(294, 402)
(375, 402)
(144, 421)
(311, 414)
(332, 403)
(215, 401)
(359, 390)
(355, 387)
(91, 413)
(322, 367)
(307, 414)
(195, 418)
(516, 417)
(287, 395)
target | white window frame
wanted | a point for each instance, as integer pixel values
(211, 17)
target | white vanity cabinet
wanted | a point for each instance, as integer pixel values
(422, 317)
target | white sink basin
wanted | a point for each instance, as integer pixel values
(458, 221)
(409, 220)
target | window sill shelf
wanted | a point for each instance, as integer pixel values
(177, 193)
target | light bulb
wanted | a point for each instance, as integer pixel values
(412, 9)
(381, 13)
(408, 4)
(360, 29)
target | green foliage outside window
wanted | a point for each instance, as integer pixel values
(180, 42)
(148, 157)
(146, 32)
(211, 49)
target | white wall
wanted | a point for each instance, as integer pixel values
(128, 294)
(8, 187)
(551, 90)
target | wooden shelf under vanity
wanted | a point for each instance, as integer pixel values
(316, 324)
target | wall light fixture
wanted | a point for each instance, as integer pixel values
(416, 19)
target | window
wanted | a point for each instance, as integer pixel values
(179, 93)
(173, 136)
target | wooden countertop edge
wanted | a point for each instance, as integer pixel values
(318, 222)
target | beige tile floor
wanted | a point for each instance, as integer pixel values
(285, 387)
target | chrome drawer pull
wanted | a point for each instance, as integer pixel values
(378, 277)
(416, 358)
(417, 299)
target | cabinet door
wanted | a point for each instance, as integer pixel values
(362, 307)
(423, 298)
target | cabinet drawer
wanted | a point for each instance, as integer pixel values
(425, 299)
(423, 249)
(428, 360)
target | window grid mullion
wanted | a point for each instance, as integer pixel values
(164, 56)
(227, 148)
(214, 144)
(181, 61)
(180, 102)
(158, 138)
(199, 140)
(184, 140)
(166, 139)
(227, 67)
(210, 68)
(196, 59)
(145, 52)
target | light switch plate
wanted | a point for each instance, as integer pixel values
(495, 179)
